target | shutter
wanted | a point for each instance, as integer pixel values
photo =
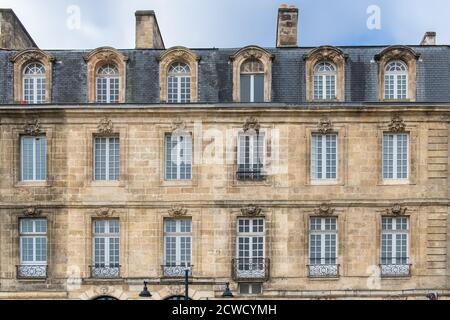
(245, 88)
(259, 88)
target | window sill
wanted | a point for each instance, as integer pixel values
(325, 183)
(177, 183)
(112, 184)
(33, 184)
(395, 182)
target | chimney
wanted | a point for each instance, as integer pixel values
(287, 26)
(13, 34)
(429, 39)
(148, 35)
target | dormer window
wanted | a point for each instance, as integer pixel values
(34, 83)
(324, 81)
(396, 81)
(252, 81)
(179, 83)
(108, 84)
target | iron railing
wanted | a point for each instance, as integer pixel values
(325, 270)
(393, 270)
(32, 271)
(256, 175)
(251, 269)
(105, 271)
(176, 271)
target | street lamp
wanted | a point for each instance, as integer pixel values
(145, 293)
(186, 283)
(227, 292)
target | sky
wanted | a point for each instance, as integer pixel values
(87, 24)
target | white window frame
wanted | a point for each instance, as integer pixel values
(33, 235)
(179, 159)
(395, 157)
(252, 142)
(22, 165)
(177, 76)
(323, 168)
(323, 232)
(396, 74)
(108, 78)
(394, 232)
(34, 83)
(108, 156)
(251, 235)
(178, 235)
(106, 236)
(323, 78)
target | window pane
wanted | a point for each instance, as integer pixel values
(245, 88)
(259, 88)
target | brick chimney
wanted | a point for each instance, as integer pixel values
(13, 34)
(287, 26)
(429, 39)
(148, 35)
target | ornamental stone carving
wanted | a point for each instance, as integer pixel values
(325, 126)
(397, 125)
(251, 210)
(177, 211)
(324, 210)
(252, 124)
(105, 126)
(104, 212)
(396, 210)
(32, 127)
(178, 125)
(32, 212)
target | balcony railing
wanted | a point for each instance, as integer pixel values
(248, 269)
(323, 270)
(102, 271)
(393, 270)
(256, 175)
(32, 271)
(176, 271)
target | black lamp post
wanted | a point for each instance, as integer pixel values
(227, 292)
(186, 284)
(145, 293)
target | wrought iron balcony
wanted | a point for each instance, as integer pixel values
(32, 271)
(248, 269)
(323, 270)
(176, 271)
(256, 175)
(393, 270)
(104, 271)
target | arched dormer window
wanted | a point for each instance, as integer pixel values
(34, 83)
(324, 81)
(397, 67)
(325, 74)
(107, 84)
(178, 76)
(396, 80)
(252, 75)
(106, 75)
(179, 83)
(32, 76)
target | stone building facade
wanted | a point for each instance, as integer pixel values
(288, 172)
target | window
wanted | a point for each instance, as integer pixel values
(394, 246)
(34, 83)
(324, 81)
(250, 260)
(395, 156)
(108, 84)
(250, 288)
(106, 249)
(324, 157)
(177, 246)
(179, 83)
(251, 152)
(178, 157)
(396, 80)
(106, 158)
(252, 81)
(33, 158)
(33, 248)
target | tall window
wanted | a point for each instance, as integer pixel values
(396, 80)
(324, 157)
(250, 262)
(34, 83)
(394, 246)
(106, 248)
(33, 158)
(395, 156)
(107, 83)
(33, 248)
(251, 156)
(177, 246)
(324, 81)
(106, 158)
(179, 83)
(178, 157)
(252, 81)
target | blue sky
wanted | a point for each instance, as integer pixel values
(230, 23)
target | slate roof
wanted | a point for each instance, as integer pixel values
(215, 75)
